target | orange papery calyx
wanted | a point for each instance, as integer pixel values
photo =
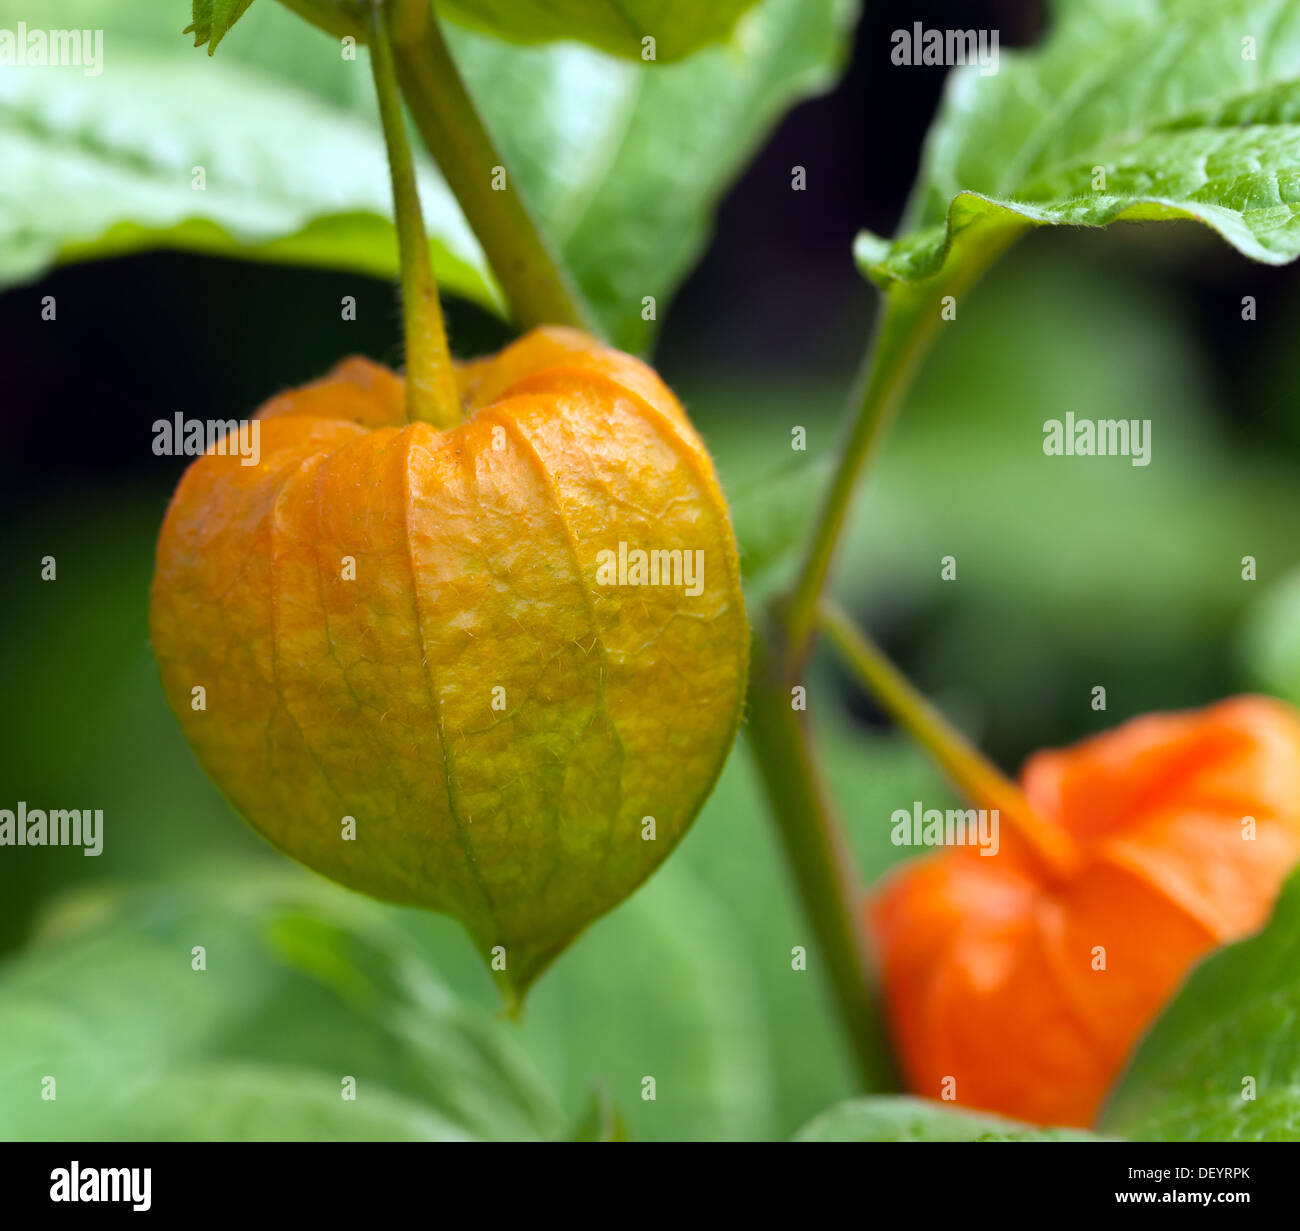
(1019, 982)
(421, 673)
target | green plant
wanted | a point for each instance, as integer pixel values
(1171, 111)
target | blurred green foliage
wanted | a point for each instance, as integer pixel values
(296, 990)
(1071, 571)
(1124, 576)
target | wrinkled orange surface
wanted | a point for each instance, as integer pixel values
(475, 571)
(988, 965)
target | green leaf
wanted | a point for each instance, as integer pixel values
(213, 19)
(285, 129)
(303, 987)
(912, 1119)
(212, 157)
(1139, 112)
(630, 206)
(1222, 1062)
(678, 27)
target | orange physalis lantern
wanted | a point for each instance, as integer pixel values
(1024, 979)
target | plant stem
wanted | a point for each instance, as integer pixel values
(970, 771)
(431, 392)
(823, 866)
(537, 288)
(809, 830)
(901, 336)
(807, 824)
(909, 317)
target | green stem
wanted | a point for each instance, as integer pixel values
(809, 830)
(431, 392)
(909, 318)
(974, 775)
(535, 284)
(901, 335)
(823, 866)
